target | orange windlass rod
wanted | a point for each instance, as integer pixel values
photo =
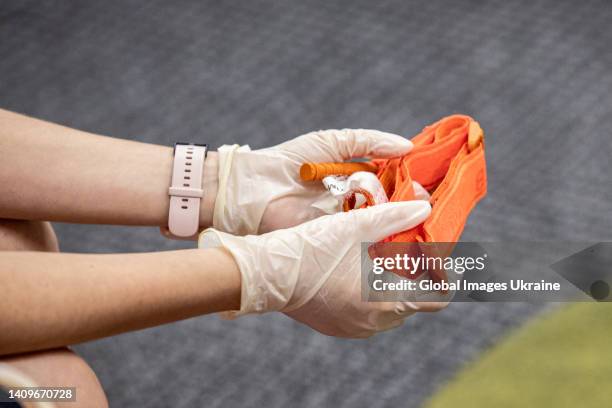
(318, 171)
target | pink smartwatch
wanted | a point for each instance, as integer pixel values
(185, 191)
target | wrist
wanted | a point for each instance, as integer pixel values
(229, 283)
(210, 185)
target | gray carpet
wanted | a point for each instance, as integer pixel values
(537, 75)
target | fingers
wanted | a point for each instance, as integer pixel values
(431, 306)
(419, 192)
(406, 308)
(351, 143)
(380, 221)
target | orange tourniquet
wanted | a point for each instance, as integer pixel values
(448, 159)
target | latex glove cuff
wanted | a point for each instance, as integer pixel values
(266, 287)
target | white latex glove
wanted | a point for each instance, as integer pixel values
(312, 272)
(260, 191)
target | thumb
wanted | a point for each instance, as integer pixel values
(351, 143)
(380, 221)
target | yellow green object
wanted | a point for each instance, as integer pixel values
(561, 359)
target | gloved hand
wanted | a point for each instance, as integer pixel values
(260, 191)
(312, 272)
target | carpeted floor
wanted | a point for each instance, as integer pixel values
(536, 75)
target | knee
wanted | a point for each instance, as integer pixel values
(21, 235)
(54, 368)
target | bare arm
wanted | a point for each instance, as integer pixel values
(51, 299)
(54, 173)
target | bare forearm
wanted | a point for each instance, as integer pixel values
(49, 300)
(51, 172)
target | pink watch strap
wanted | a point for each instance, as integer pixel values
(186, 190)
